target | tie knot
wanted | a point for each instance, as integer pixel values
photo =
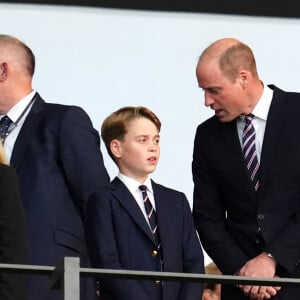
(5, 121)
(249, 118)
(143, 188)
(4, 126)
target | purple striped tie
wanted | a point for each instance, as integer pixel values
(249, 150)
(151, 215)
(153, 223)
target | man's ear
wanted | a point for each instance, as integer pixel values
(3, 71)
(116, 148)
(244, 77)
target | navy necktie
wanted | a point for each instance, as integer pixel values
(151, 215)
(4, 126)
(249, 150)
(153, 224)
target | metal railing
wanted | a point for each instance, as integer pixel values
(66, 276)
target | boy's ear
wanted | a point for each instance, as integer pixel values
(115, 148)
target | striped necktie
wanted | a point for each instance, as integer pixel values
(151, 215)
(249, 150)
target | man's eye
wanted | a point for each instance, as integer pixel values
(156, 141)
(213, 91)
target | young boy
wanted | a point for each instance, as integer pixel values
(139, 224)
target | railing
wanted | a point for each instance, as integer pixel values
(66, 276)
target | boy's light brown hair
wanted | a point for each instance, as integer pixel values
(3, 159)
(211, 269)
(115, 126)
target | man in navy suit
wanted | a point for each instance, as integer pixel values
(119, 228)
(248, 227)
(56, 154)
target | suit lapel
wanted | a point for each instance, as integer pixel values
(169, 223)
(163, 207)
(274, 130)
(27, 131)
(123, 195)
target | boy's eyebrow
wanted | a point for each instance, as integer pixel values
(147, 135)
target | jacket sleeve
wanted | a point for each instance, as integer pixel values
(193, 260)
(210, 214)
(80, 156)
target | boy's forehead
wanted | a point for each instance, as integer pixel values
(142, 126)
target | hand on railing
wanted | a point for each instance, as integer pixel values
(262, 265)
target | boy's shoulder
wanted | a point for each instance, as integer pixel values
(169, 192)
(171, 200)
(156, 185)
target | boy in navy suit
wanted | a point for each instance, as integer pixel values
(139, 224)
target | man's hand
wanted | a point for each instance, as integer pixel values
(260, 266)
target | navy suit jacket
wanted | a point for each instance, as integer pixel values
(119, 237)
(60, 167)
(234, 222)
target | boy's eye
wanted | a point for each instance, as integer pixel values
(142, 140)
(156, 141)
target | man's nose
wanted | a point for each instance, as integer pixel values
(208, 99)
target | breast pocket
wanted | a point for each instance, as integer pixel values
(69, 240)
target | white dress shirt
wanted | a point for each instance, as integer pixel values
(133, 187)
(17, 114)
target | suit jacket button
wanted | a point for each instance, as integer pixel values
(154, 253)
(260, 217)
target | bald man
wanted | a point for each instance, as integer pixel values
(246, 172)
(56, 154)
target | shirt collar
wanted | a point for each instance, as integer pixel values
(262, 107)
(133, 185)
(15, 112)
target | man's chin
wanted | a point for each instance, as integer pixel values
(225, 119)
(224, 116)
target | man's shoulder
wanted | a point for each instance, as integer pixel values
(56, 115)
(285, 104)
(210, 127)
(57, 111)
(278, 91)
(59, 107)
(55, 107)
